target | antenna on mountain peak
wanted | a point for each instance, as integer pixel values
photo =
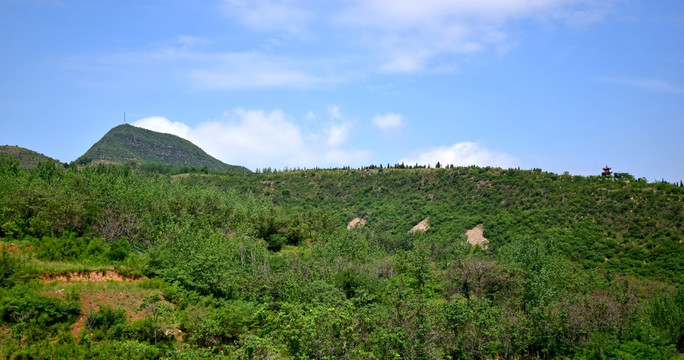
(124, 117)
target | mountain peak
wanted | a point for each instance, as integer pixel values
(125, 143)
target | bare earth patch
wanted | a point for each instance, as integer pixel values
(90, 276)
(422, 226)
(127, 300)
(92, 297)
(356, 222)
(475, 236)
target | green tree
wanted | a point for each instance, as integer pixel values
(158, 311)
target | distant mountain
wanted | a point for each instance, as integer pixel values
(28, 159)
(126, 143)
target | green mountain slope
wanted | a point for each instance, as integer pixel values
(264, 265)
(126, 143)
(28, 159)
(626, 226)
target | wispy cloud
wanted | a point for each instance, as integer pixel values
(337, 134)
(420, 36)
(652, 85)
(258, 138)
(188, 41)
(462, 154)
(271, 15)
(405, 36)
(375, 36)
(388, 122)
(207, 70)
(255, 70)
(334, 112)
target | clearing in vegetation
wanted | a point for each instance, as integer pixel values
(356, 222)
(475, 237)
(422, 226)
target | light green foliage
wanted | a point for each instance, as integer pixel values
(262, 266)
(666, 313)
(543, 269)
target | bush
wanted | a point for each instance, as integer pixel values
(100, 322)
(11, 267)
(34, 315)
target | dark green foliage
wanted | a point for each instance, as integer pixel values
(33, 316)
(70, 247)
(666, 313)
(171, 169)
(106, 322)
(11, 268)
(220, 325)
(118, 250)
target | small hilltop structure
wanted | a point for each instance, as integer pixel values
(606, 171)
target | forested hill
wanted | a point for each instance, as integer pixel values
(112, 262)
(622, 224)
(126, 143)
(27, 158)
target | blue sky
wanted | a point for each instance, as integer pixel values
(562, 85)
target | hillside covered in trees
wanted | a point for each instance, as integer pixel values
(27, 159)
(129, 144)
(114, 261)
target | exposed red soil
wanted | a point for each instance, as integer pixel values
(89, 276)
(128, 300)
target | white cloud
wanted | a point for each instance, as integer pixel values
(270, 15)
(389, 121)
(211, 70)
(310, 116)
(407, 36)
(188, 41)
(252, 136)
(258, 138)
(252, 70)
(163, 125)
(350, 40)
(421, 35)
(462, 154)
(401, 14)
(334, 112)
(337, 134)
